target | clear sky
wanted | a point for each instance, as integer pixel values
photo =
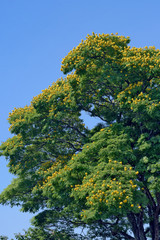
(34, 37)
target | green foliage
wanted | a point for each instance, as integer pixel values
(40, 234)
(3, 237)
(104, 180)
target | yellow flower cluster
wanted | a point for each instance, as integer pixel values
(141, 57)
(94, 45)
(58, 93)
(51, 173)
(18, 115)
(129, 88)
(110, 192)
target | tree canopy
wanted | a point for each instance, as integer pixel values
(104, 181)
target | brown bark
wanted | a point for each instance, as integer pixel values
(156, 226)
(156, 217)
(151, 220)
(136, 221)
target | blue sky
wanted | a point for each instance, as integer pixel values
(34, 37)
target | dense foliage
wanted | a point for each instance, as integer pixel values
(105, 182)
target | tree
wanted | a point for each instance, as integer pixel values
(40, 233)
(3, 237)
(104, 181)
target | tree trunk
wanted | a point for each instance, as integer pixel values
(156, 225)
(151, 220)
(136, 221)
(156, 218)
